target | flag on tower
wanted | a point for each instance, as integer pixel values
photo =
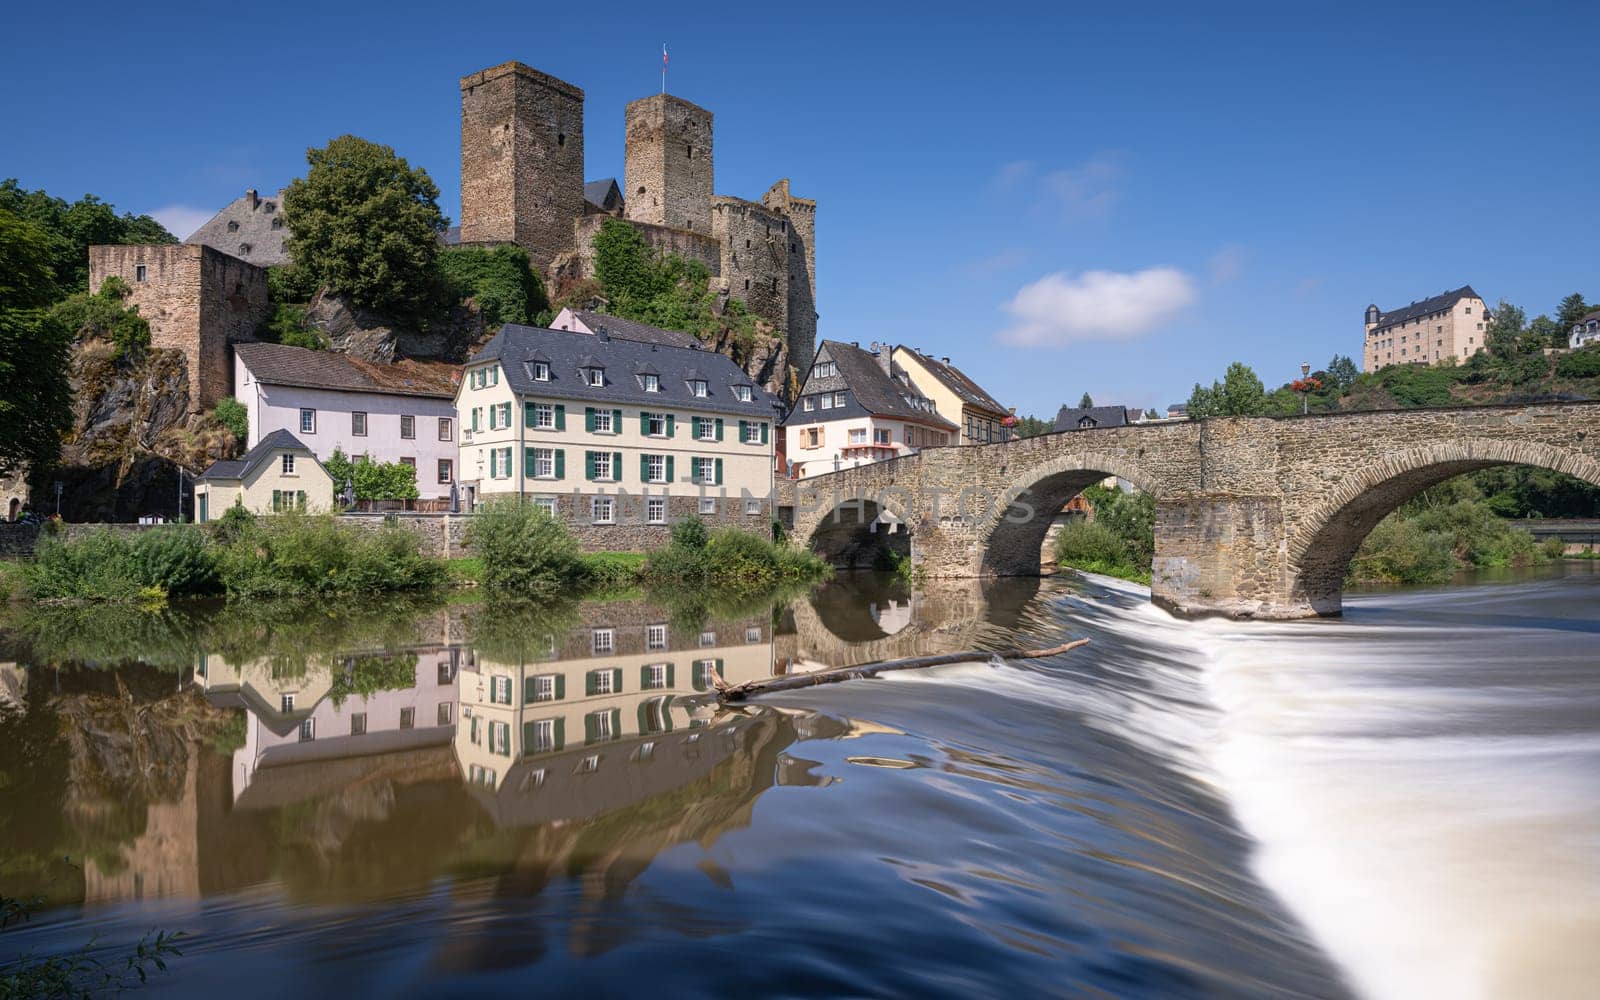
(663, 67)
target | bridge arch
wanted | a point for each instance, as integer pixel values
(856, 526)
(1325, 538)
(1008, 543)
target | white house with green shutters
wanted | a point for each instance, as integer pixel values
(610, 434)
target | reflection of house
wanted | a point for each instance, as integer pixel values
(857, 407)
(277, 474)
(597, 688)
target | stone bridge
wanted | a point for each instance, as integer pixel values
(1255, 516)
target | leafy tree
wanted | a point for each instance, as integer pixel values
(372, 480)
(230, 413)
(1342, 372)
(500, 279)
(1572, 309)
(1239, 394)
(1582, 363)
(288, 326)
(1543, 332)
(1503, 336)
(1086, 402)
(71, 228)
(1032, 427)
(104, 315)
(35, 350)
(366, 224)
(1151, 414)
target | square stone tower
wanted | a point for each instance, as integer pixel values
(521, 160)
(668, 173)
(802, 257)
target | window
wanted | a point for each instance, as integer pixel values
(824, 369)
(808, 404)
(408, 426)
(588, 765)
(408, 718)
(708, 505)
(308, 730)
(233, 225)
(752, 431)
(446, 430)
(308, 420)
(544, 687)
(595, 377)
(603, 641)
(358, 424)
(475, 731)
(655, 425)
(655, 468)
(546, 504)
(600, 723)
(500, 738)
(140, 273)
(655, 677)
(655, 510)
(286, 703)
(652, 383)
(600, 462)
(858, 435)
(1469, 310)
(752, 508)
(410, 460)
(500, 463)
(811, 437)
(752, 634)
(544, 463)
(541, 371)
(881, 435)
(288, 499)
(705, 429)
(827, 401)
(705, 470)
(446, 470)
(742, 393)
(655, 637)
(708, 638)
(446, 713)
(601, 681)
(603, 510)
(358, 724)
(544, 416)
(603, 423)
(697, 387)
(544, 735)
(505, 414)
(499, 689)
(838, 400)
(287, 465)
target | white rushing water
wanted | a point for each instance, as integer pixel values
(1423, 782)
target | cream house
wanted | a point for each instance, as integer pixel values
(1450, 326)
(277, 474)
(955, 396)
(858, 407)
(616, 438)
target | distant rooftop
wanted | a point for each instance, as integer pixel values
(276, 364)
(250, 228)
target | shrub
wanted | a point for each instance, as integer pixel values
(230, 413)
(526, 553)
(366, 675)
(176, 559)
(1582, 363)
(233, 525)
(103, 315)
(108, 565)
(500, 279)
(729, 559)
(1095, 548)
(294, 553)
(288, 326)
(1398, 551)
(373, 480)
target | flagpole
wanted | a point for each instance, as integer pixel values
(663, 67)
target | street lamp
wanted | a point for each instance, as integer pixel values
(1305, 373)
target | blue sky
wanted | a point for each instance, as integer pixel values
(1062, 198)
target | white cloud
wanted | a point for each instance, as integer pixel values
(181, 220)
(1096, 305)
(1227, 263)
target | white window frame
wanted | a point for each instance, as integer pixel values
(881, 435)
(654, 419)
(705, 428)
(752, 431)
(541, 371)
(544, 735)
(602, 681)
(858, 435)
(500, 737)
(500, 689)
(603, 423)
(603, 509)
(308, 420)
(699, 388)
(752, 507)
(602, 727)
(595, 377)
(808, 404)
(742, 393)
(655, 637)
(838, 401)
(655, 467)
(752, 634)
(652, 383)
(544, 416)
(544, 463)
(651, 506)
(708, 505)
(308, 730)
(547, 504)
(825, 401)
(544, 687)
(609, 474)
(286, 465)
(708, 638)
(704, 473)
(603, 641)
(656, 677)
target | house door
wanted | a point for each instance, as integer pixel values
(203, 508)
(16, 508)
(472, 498)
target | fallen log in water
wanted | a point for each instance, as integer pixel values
(749, 689)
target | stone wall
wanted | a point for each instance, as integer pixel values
(196, 299)
(754, 242)
(802, 305)
(662, 239)
(521, 160)
(669, 166)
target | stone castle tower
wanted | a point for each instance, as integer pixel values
(521, 160)
(522, 182)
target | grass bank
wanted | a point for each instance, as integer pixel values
(1119, 542)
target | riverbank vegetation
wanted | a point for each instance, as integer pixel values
(1442, 531)
(1119, 541)
(730, 560)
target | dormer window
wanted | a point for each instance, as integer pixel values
(540, 370)
(595, 377)
(698, 387)
(233, 227)
(651, 383)
(824, 369)
(742, 393)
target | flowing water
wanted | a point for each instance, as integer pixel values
(439, 801)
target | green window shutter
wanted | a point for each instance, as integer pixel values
(494, 461)
(530, 732)
(616, 421)
(616, 681)
(527, 462)
(561, 417)
(671, 430)
(644, 422)
(591, 729)
(475, 411)
(561, 463)
(561, 686)
(742, 432)
(644, 468)
(697, 675)
(669, 468)
(644, 678)
(588, 458)
(694, 427)
(763, 433)
(616, 723)
(719, 428)
(671, 671)
(644, 716)
(588, 684)
(719, 472)
(300, 499)
(561, 733)
(527, 414)
(666, 713)
(616, 468)
(528, 692)
(588, 419)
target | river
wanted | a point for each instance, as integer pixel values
(442, 800)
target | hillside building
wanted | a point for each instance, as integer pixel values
(956, 396)
(279, 473)
(250, 228)
(1585, 332)
(1447, 326)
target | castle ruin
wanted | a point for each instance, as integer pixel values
(522, 182)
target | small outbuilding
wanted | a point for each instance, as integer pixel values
(280, 473)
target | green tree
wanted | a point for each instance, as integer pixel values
(104, 315)
(1239, 394)
(366, 225)
(1572, 309)
(71, 228)
(500, 279)
(1032, 427)
(372, 480)
(230, 413)
(1342, 372)
(668, 291)
(1086, 402)
(1503, 337)
(1543, 332)
(35, 350)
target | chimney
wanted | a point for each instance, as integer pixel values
(945, 360)
(253, 198)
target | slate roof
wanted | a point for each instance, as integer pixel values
(451, 236)
(623, 360)
(870, 387)
(238, 468)
(1416, 310)
(253, 216)
(604, 194)
(629, 329)
(276, 364)
(958, 382)
(1103, 416)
